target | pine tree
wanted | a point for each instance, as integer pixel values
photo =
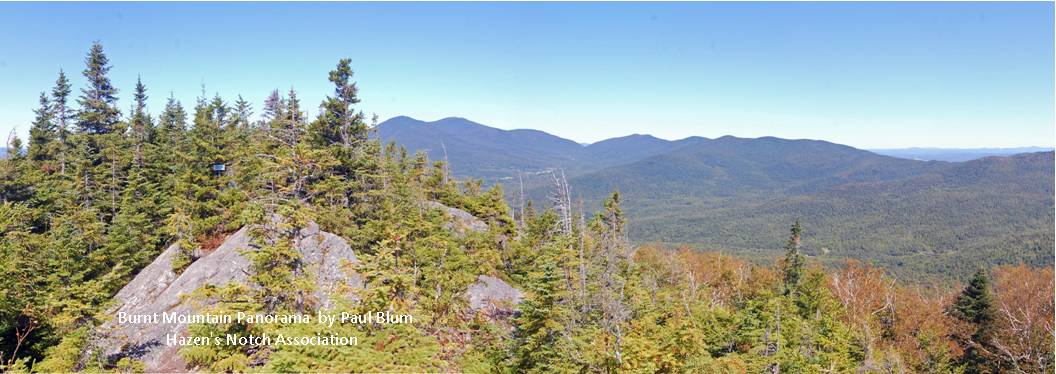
(612, 268)
(99, 140)
(170, 143)
(63, 115)
(339, 123)
(975, 305)
(209, 146)
(98, 113)
(140, 126)
(794, 264)
(42, 132)
(167, 155)
(536, 344)
(274, 106)
(131, 238)
(243, 112)
(172, 126)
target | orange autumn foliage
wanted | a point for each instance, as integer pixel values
(1023, 320)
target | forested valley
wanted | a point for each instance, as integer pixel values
(96, 194)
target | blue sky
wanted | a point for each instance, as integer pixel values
(870, 75)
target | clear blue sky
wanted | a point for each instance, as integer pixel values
(871, 75)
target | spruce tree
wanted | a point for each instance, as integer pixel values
(538, 330)
(794, 264)
(170, 138)
(141, 128)
(243, 111)
(42, 132)
(168, 153)
(98, 144)
(975, 305)
(63, 114)
(98, 100)
(339, 123)
(208, 149)
(131, 238)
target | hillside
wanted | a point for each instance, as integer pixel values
(944, 221)
(916, 218)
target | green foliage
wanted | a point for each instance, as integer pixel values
(793, 264)
(975, 305)
(98, 114)
(537, 342)
(42, 132)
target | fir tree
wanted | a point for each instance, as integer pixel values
(793, 265)
(63, 115)
(42, 132)
(243, 112)
(339, 123)
(975, 305)
(274, 106)
(98, 113)
(140, 126)
(538, 330)
(170, 137)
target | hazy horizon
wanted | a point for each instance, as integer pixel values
(868, 75)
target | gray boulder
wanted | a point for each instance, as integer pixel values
(156, 289)
(461, 221)
(490, 293)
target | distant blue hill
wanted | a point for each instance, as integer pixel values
(955, 154)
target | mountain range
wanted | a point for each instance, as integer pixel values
(917, 218)
(955, 154)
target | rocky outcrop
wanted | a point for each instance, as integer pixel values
(461, 221)
(156, 289)
(492, 293)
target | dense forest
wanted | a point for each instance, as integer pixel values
(96, 194)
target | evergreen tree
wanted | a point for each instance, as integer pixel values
(100, 139)
(141, 127)
(172, 126)
(793, 264)
(339, 123)
(975, 305)
(168, 154)
(537, 337)
(202, 180)
(243, 112)
(610, 271)
(274, 106)
(42, 132)
(132, 238)
(98, 100)
(63, 115)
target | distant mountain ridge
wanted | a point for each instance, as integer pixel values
(476, 150)
(738, 194)
(955, 154)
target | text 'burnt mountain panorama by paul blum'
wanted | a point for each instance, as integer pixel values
(527, 187)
